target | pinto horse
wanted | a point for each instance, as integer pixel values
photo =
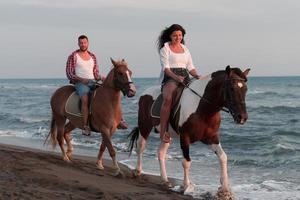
(105, 112)
(197, 118)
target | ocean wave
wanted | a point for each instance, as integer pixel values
(265, 93)
(269, 189)
(33, 120)
(286, 133)
(30, 87)
(7, 133)
(274, 109)
(14, 133)
(295, 85)
(280, 95)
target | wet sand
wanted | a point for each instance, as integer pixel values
(34, 174)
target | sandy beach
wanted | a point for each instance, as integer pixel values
(33, 174)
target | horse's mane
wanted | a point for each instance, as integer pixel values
(237, 71)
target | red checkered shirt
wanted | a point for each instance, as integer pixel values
(71, 63)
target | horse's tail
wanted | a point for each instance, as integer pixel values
(52, 132)
(134, 135)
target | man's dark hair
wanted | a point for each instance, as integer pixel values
(82, 37)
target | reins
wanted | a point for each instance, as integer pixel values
(201, 97)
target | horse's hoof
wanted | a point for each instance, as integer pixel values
(100, 166)
(67, 159)
(188, 189)
(136, 173)
(69, 154)
(224, 193)
(118, 173)
(167, 184)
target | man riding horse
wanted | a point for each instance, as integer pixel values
(82, 70)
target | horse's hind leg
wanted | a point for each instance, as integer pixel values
(60, 122)
(67, 132)
(140, 150)
(223, 162)
(100, 155)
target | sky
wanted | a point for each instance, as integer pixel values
(38, 35)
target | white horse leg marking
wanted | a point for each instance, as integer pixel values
(188, 187)
(162, 150)
(116, 166)
(223, 162)
(140, 150)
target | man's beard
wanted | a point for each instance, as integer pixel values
(83, 48)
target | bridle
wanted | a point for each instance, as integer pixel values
(229, 96)
(119, 84)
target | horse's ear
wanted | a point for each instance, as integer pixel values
(112, 61)
(228, 70)
(246, 72)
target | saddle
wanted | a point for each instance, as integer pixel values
(73, 107)
(156, 106)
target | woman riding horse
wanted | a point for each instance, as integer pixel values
(197, 119)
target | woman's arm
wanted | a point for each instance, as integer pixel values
(194, 73)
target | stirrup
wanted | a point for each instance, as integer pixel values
(86, 131)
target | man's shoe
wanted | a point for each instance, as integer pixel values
(86, 131)
(122, 125)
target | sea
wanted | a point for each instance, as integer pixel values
(263, 154)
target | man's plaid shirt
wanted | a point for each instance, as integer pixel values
(71, 63)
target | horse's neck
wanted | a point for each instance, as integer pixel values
(212, 101)
(108, 91)
(189, 100)
(109, 80)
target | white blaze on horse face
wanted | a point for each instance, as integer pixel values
(189, 100)
(128, 76)
(240, 84)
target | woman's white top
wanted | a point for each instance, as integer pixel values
(170, 59)
(84, 68)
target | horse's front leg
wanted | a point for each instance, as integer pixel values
(223, 162)
(107, 142)
(162, 151)
(188, 187)
(100, 155)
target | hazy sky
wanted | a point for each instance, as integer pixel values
(38, 35)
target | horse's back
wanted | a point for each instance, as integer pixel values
(60, 96)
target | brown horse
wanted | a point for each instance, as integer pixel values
(105, 112)
(196, 119)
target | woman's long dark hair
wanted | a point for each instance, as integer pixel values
(165, 35)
